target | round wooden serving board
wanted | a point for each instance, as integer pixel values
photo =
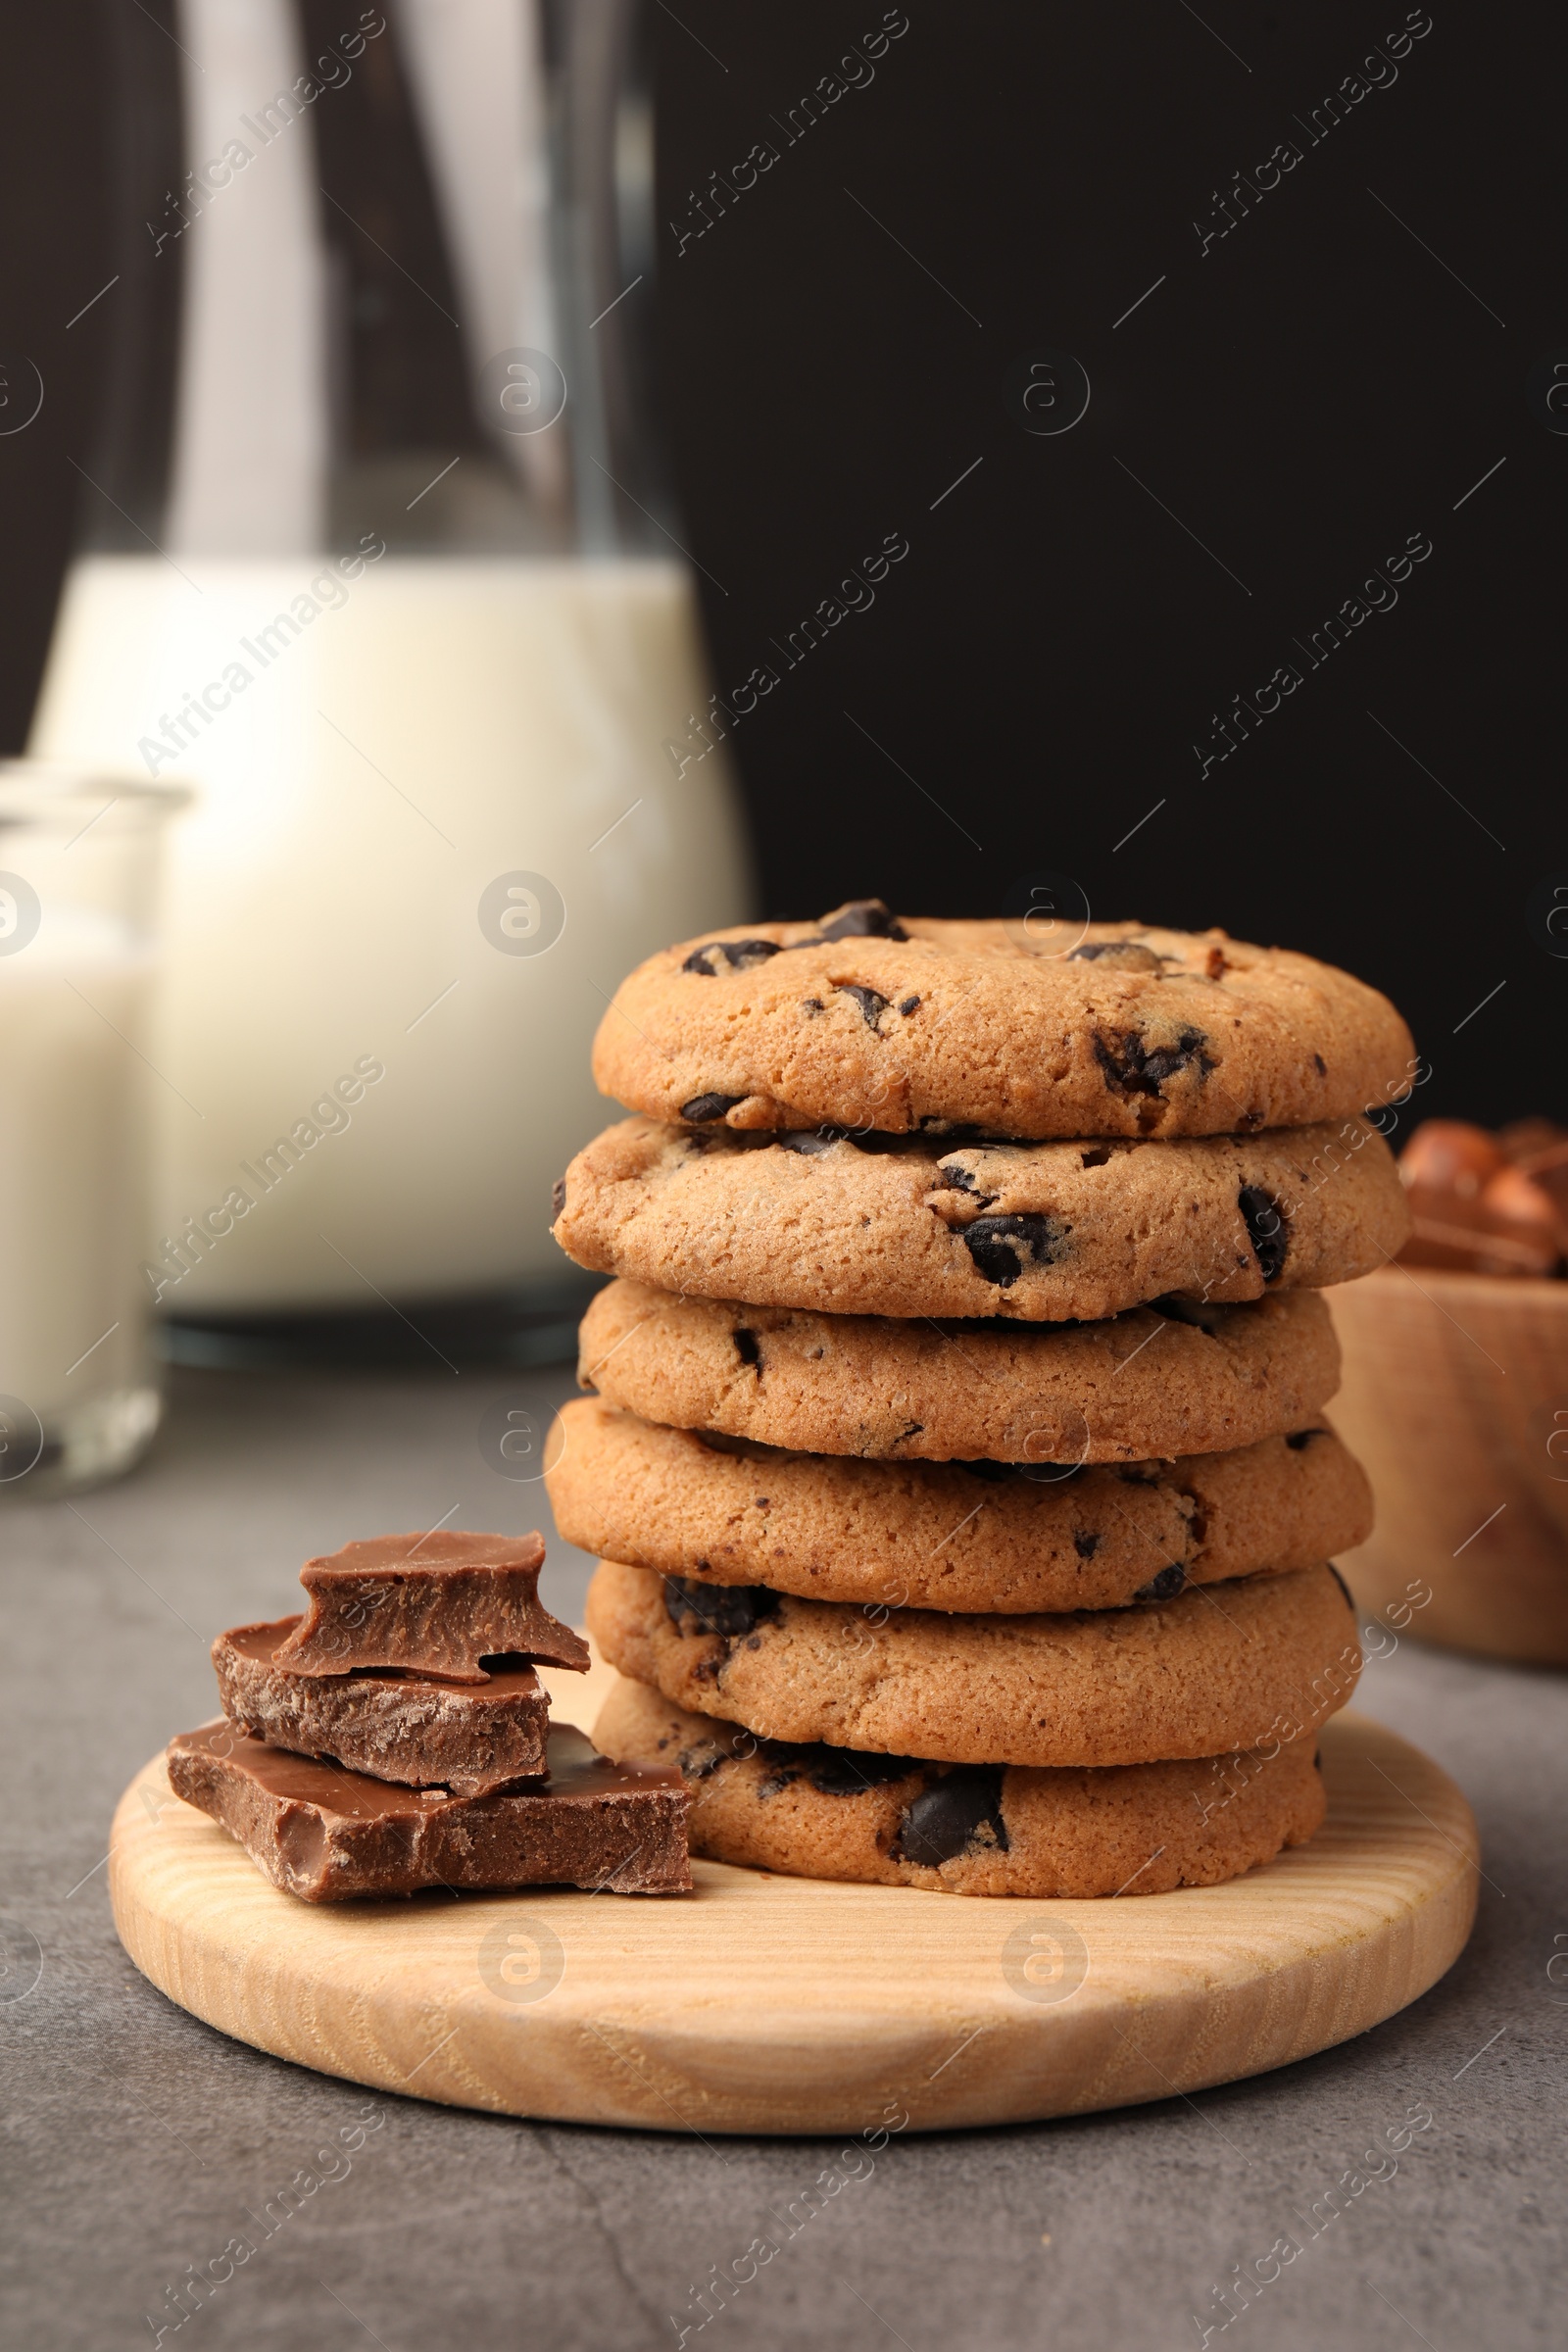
(794, 2005)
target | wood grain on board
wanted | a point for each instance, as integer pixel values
(763, 2004)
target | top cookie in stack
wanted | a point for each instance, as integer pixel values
(980, 1219)
(914, 1026)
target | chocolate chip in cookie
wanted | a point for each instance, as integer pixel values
(1166, 1585)
(729, 1609)
(953, 1177)
(1003, 1246)
(703, 1110)
(1119, 954)
(955, 1812)
(1131, 1066)
(730, 954)
(1270, 1235)
(872, 1006)
(861, 918)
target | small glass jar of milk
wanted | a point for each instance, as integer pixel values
(79, 1394)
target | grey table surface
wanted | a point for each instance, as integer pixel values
(139, 2142)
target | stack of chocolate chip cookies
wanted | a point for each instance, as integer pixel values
(955, 1443)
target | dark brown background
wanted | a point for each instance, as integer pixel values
(1305, 396)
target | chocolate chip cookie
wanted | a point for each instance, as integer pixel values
(1164, 1380)
(884, 1225)
(822, 1812)
(866, 1021)
(1221, 1667)
(961, 1536)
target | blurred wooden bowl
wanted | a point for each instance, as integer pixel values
(1455, 1398)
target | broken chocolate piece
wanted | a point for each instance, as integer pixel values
(748, 1348)
(693, 1607)
(1269, 1234)
(733, 955)
(861, 918)
(324, 1833)
(435, 1603)
(703, 1110)
(558, 1196)
(470, 1738)
(1003, 1246)
(952, 1814)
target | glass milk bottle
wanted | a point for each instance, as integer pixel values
(79, 1393)
(377, 561)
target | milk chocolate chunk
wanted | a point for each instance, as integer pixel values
(470, 1738)
(435, 1603)
(324, 1833)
